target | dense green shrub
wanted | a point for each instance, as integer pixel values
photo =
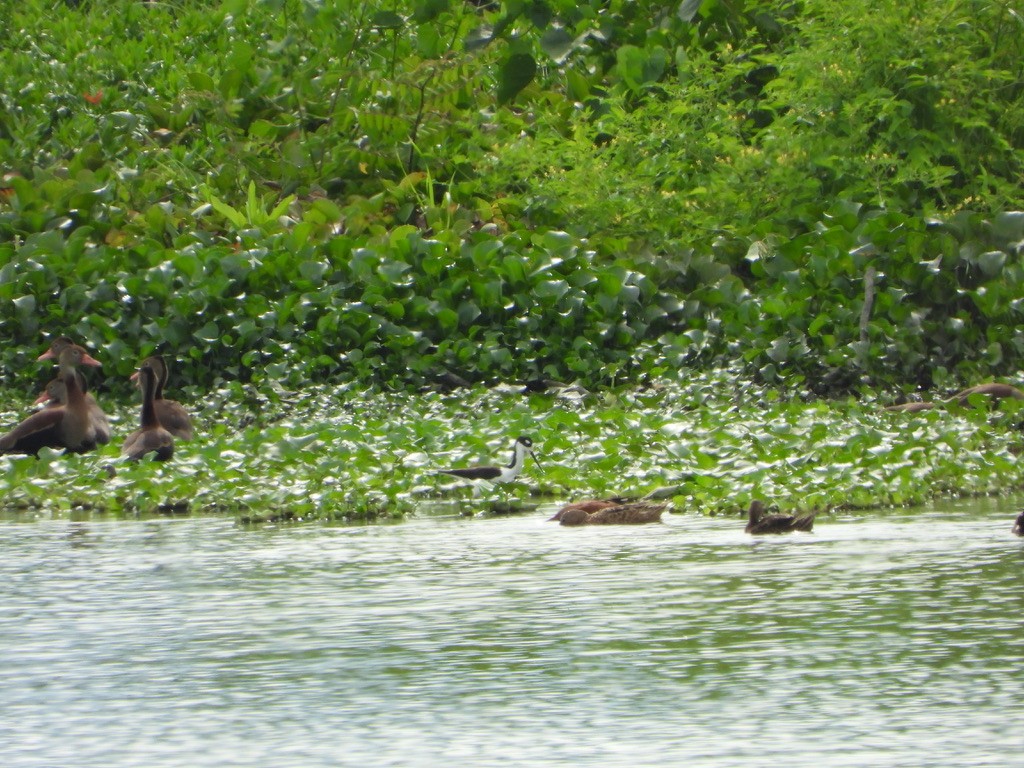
(309, 188)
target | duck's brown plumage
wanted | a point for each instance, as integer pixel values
(57, 346)
(759, 523)
(151, 437)
(68, 425)
(589, 506)
(54, 394)
(635, 513)
(1018, 525)
(36, 432)
(99, 418)
(172, 414)
(993, 390)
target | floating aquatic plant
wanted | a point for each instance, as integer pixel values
(709, 443)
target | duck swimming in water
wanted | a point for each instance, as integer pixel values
(634, 513)
(589, 506)
(759, 523)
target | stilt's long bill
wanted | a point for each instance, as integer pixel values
(520, 449)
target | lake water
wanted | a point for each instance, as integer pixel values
(882, 638)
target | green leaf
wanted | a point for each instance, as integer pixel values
(1008, 227)
(688, 9)
(237, 218)
(281, 208)
(25, 305)
(516, 73)
(208, 333)
(387, 20)
(478, 37)
(427, 10)
(202, 81)
(557, 43)
(992, 262)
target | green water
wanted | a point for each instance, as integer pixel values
(881, 639)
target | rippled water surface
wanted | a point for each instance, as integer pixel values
(880, 639)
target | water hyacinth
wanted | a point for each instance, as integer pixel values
(709, 443)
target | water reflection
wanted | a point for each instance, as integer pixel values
(879, 639)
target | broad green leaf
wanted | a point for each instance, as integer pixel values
(515, 74)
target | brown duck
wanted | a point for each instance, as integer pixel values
(171, 413)
(151, 437)
(54, 394)
(68, 425)
(1018, 525)
(589, 506)
(99, 418)
(758, 522)
(634, 513)
(993, 390)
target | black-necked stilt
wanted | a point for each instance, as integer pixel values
(758, 522)
(520, 449)
(635, 513)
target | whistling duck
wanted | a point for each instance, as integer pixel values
(993, 390)
(635, 513)
(99, 418)
(38, 430)
(758, 522)
(151, 437)
(69, 426)
(1018, 525)
(171, 413)
(520, 449)
(54, 394)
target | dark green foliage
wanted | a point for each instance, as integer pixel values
(601, 191)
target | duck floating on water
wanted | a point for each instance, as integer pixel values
(591, 505)
(1018, 525)
(632, 513)
(759, 523)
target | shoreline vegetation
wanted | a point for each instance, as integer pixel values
(709, 444)
(742, 227)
